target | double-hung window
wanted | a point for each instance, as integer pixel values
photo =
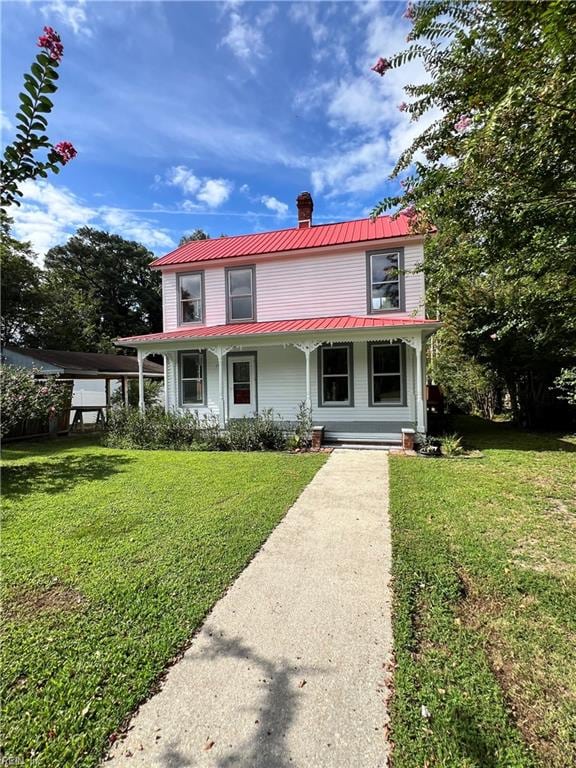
(190, 289)
(386, 374)
(384, 277)
(192, 377)
(335, 375)
(240, 294)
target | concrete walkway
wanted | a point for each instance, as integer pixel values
(288, 670)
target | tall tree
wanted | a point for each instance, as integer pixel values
(100, 286)
(496, 174)
(198, 234)
(22, 295)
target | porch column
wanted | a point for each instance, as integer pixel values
(420, 412)
(125, 390)
(166, 403)
(141, 357)
(307, 348)
(418, 346)
(221, 353)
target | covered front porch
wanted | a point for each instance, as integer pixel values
(363, 380)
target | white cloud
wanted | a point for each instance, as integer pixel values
(362, 167)
(363, 108)
(214, 192)
(131, 227)
(204, 190)
(273, 204)
(5, 122)
(183, 177)
(245, 36)
(49, 215)
(70, 13)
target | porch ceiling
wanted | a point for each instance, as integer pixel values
(281, 328)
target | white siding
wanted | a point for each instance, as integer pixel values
(301, 286)
(281, 386)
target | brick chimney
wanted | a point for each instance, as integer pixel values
(305, 206)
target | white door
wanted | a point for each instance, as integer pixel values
(241, 386)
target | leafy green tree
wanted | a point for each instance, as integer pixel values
(495, 172)
(198, 234)
(22, 295)
(99, 286)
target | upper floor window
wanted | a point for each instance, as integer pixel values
(240, 293)
(335, 374)
(384, 275)
(386, 374)
(191, 289)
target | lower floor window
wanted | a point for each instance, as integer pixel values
(336, 375)
(192, 374)
(386, 374)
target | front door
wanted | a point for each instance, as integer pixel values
(241, 386)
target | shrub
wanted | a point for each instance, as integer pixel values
(152, 390)
(303, 432)
(23, 397)
(155, 429)
(451, 445)
(258, 433)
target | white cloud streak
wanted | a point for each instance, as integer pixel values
(71, 14)
(273, 204)
(49, 215)
(204, 190)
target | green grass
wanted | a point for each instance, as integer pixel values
(111, 559)
(484, 565)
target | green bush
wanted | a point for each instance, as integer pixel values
(451, 445)
(258, 433)
(155, 429)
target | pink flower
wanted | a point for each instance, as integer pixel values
(462, 124)
(51, 42)
(66, 151)
(44, 391)
(410, 211)
(403, 107)
(409, 13)
(381, 66)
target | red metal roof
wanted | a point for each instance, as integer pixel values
(280, 327)
(293, 239)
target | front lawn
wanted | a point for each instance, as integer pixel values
(110, 561)
(484, 565)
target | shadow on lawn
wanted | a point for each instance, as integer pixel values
(273, 715)
(59, 474)
(504, 436)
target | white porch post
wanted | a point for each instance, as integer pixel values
(418, 346)
(166, 400)
(420, 412)
(125, 390)
(307, 348)
(141, 357)
(221, 353)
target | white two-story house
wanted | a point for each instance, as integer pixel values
(332, 315)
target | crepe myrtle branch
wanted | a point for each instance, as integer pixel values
(19, 161)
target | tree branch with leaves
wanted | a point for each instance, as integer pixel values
(21, 161)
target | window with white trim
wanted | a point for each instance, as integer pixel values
(386, 374)
(336, 375)
(240, 290)
(384, 281)
(190, 289)
(192, 378)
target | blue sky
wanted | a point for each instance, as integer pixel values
(211, 115)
